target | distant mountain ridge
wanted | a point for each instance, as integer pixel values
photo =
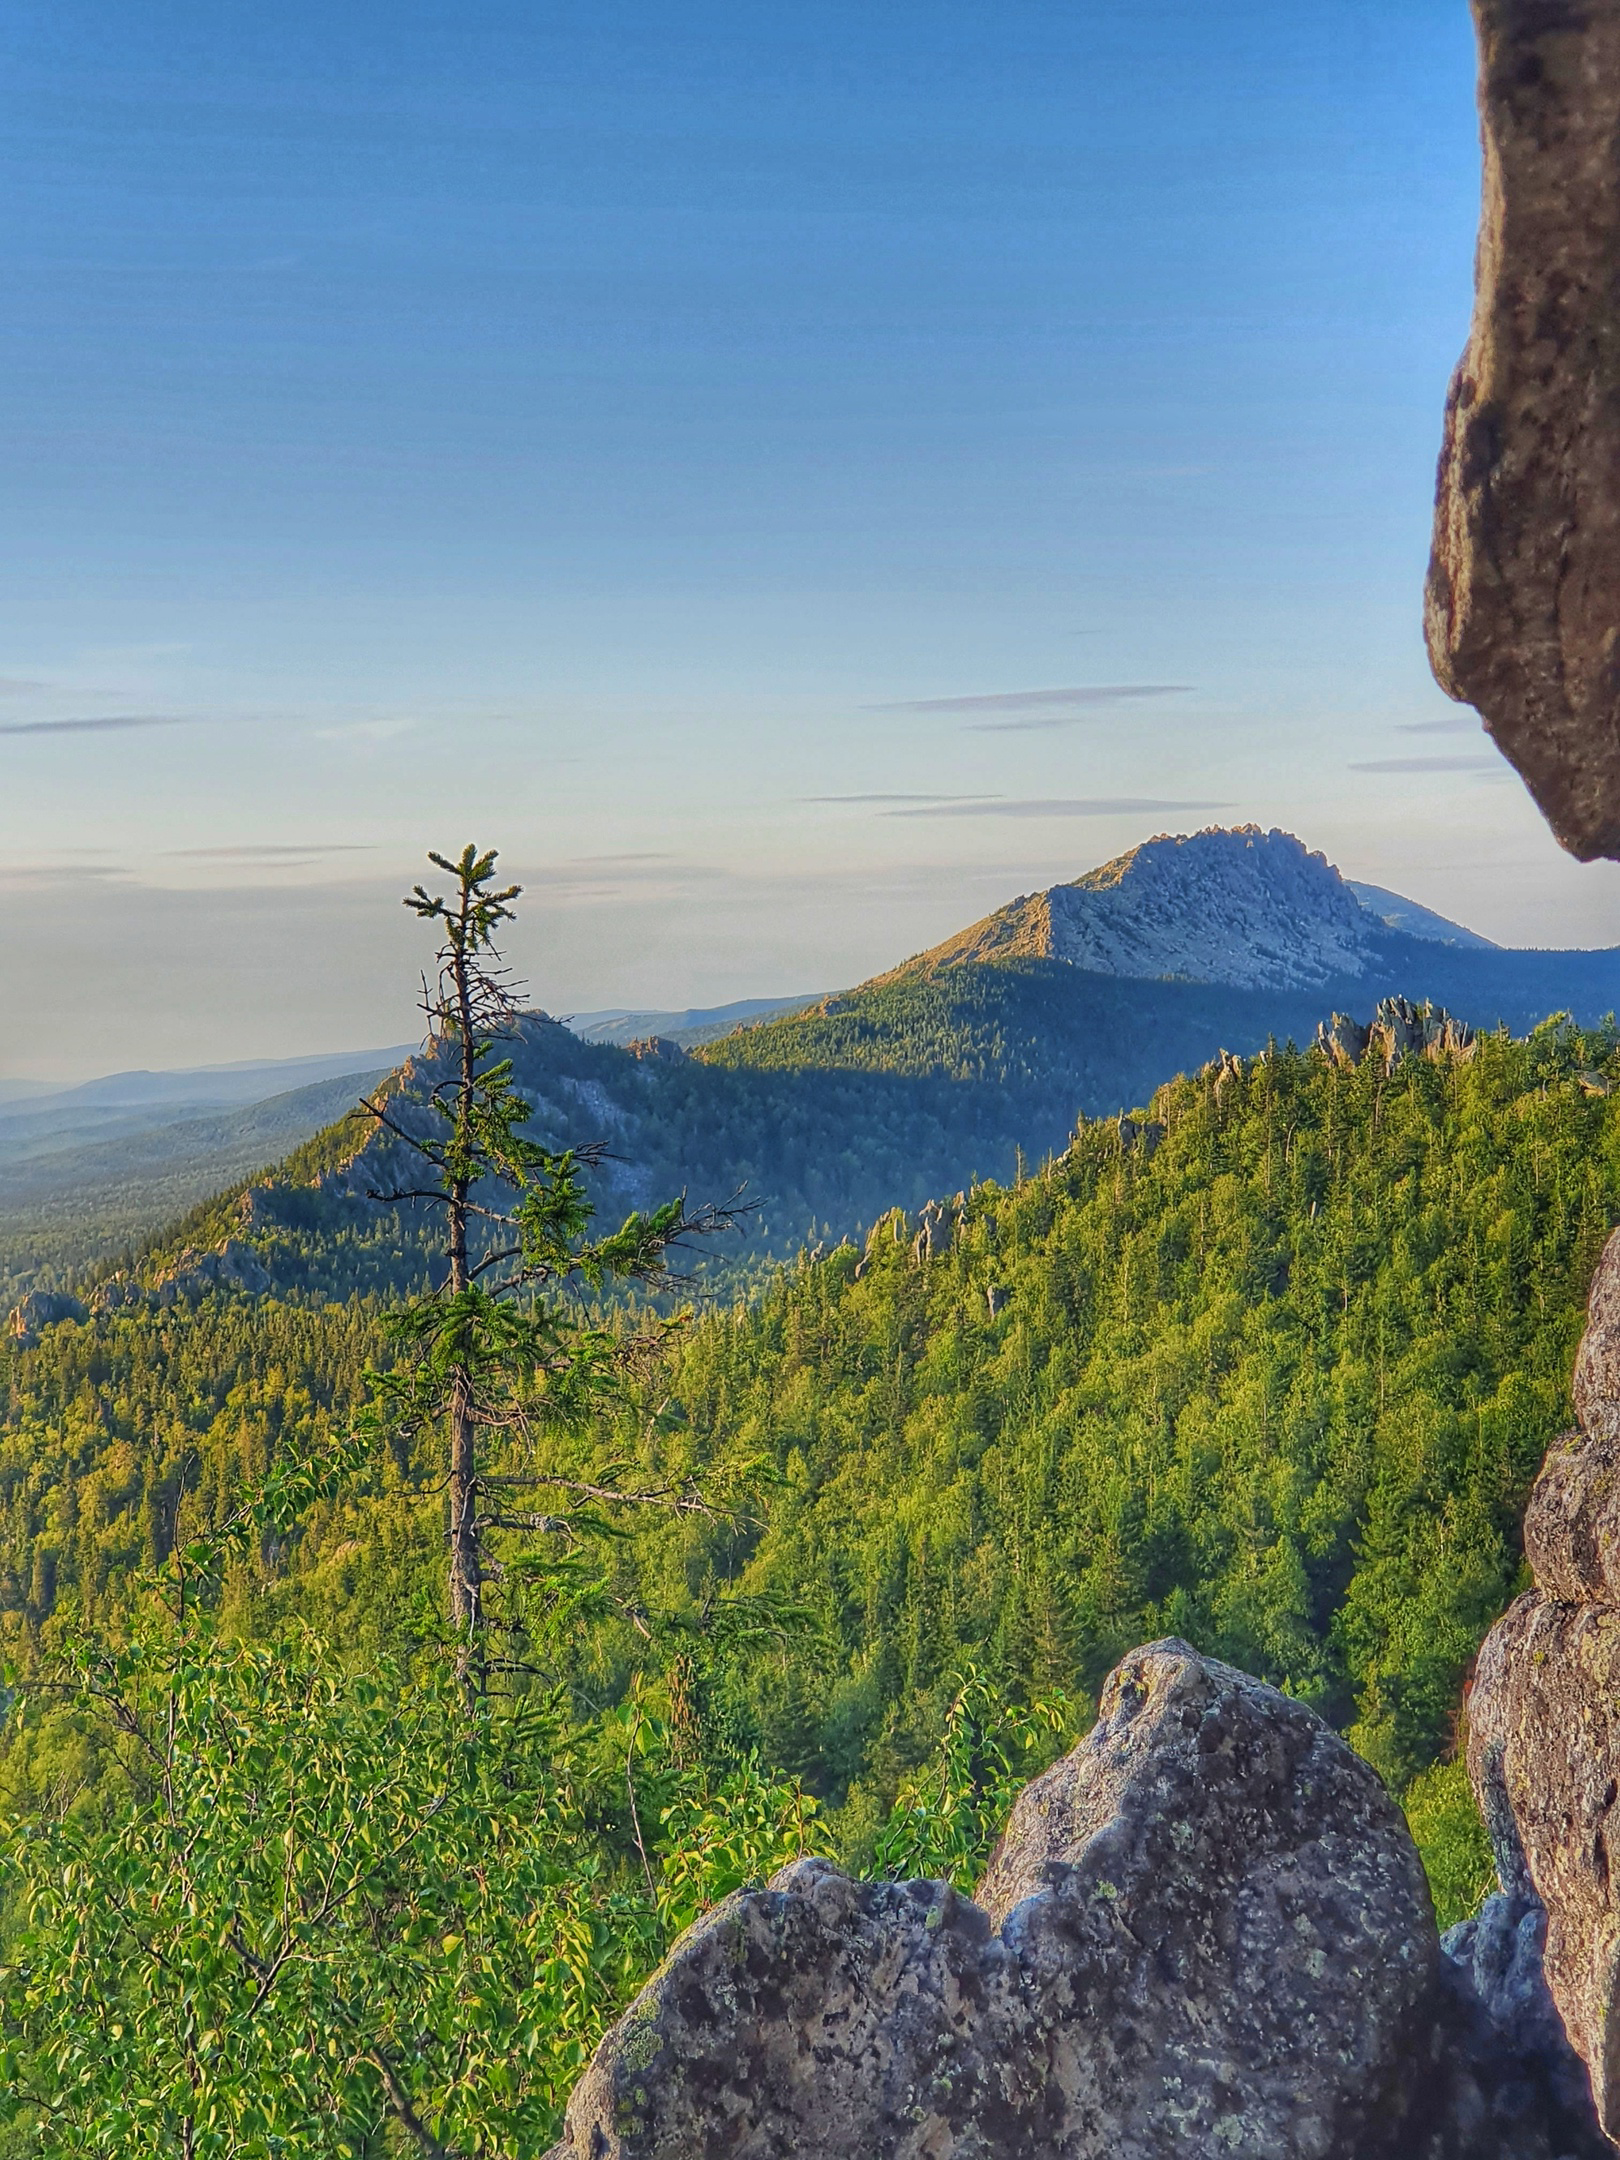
(1079, 1001)
(191, 1087)
(1094, 992)
(1238, 906)
(1398, 913)
(688, 1027)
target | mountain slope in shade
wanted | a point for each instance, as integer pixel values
(1396, 912)
(689, 1027)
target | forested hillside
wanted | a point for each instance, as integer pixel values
(77, 1190)
(913, 1086)
(946, 1069)
(925, 1087)
(1272, 1372)
(1270, 1366)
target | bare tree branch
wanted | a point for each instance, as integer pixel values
(406, 2116)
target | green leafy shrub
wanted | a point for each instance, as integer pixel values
(1451, 1840)
(948, 1817)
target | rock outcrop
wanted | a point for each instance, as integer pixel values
(1544, 1713)
(1398, 1029)
(41, 1309)
(1523, 604)
(1205, 1932)
(231, 1265)
(1240, 906)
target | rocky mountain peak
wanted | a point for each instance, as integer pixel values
(1234, 905)
(1242, 906)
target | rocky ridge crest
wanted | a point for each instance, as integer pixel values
(1237, 906)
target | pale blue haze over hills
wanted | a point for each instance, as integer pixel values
(675, 445)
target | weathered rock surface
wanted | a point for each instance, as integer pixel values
(1205, 1932)
(1544, 1714)
(1499, 1958)
(41, 1309)
(1523, 603)
(1245, 907)
(1572, 1521)
(1398, 1029)
(232, 1265)
(1545, 1729)
(1596, 1385)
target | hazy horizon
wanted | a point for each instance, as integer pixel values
(369, 916)
(790, 481)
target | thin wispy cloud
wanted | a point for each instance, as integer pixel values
(28, 877)
(273, 851)
(1459, 724)
(1059, 806)
(364, 731)
(105, 724)
(898, 798)
(1428, 764)
(1034, 725)
(599, 862)
(16, 686)
(1076, 697)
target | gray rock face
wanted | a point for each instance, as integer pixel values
(115, 1292)
(1596, 1384)
(1544, 1714)
(1572, 1521)
(1523, 603)
(1545, 1731)
(40, 1309)
(232, 1265)
(1252, 909)
(1499, 1956)
(1205, 1932)
(1398, 1029)
(1245, 907)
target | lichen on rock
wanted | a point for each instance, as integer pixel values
(1206, 1931)
(1544, 1712)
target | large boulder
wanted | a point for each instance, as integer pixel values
(1204, 1932)
(1523, 604)
(1545, 1733)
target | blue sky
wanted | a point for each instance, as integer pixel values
(675, 445)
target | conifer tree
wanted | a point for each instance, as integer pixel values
(501, 1350)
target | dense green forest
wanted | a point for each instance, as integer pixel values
(1269, 1366)
(1272, 1372)
(1275, 1378)
(907, 1090)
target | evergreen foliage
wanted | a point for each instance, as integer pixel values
(496, 1352)
(1277, 1384)
(1270, 1368)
